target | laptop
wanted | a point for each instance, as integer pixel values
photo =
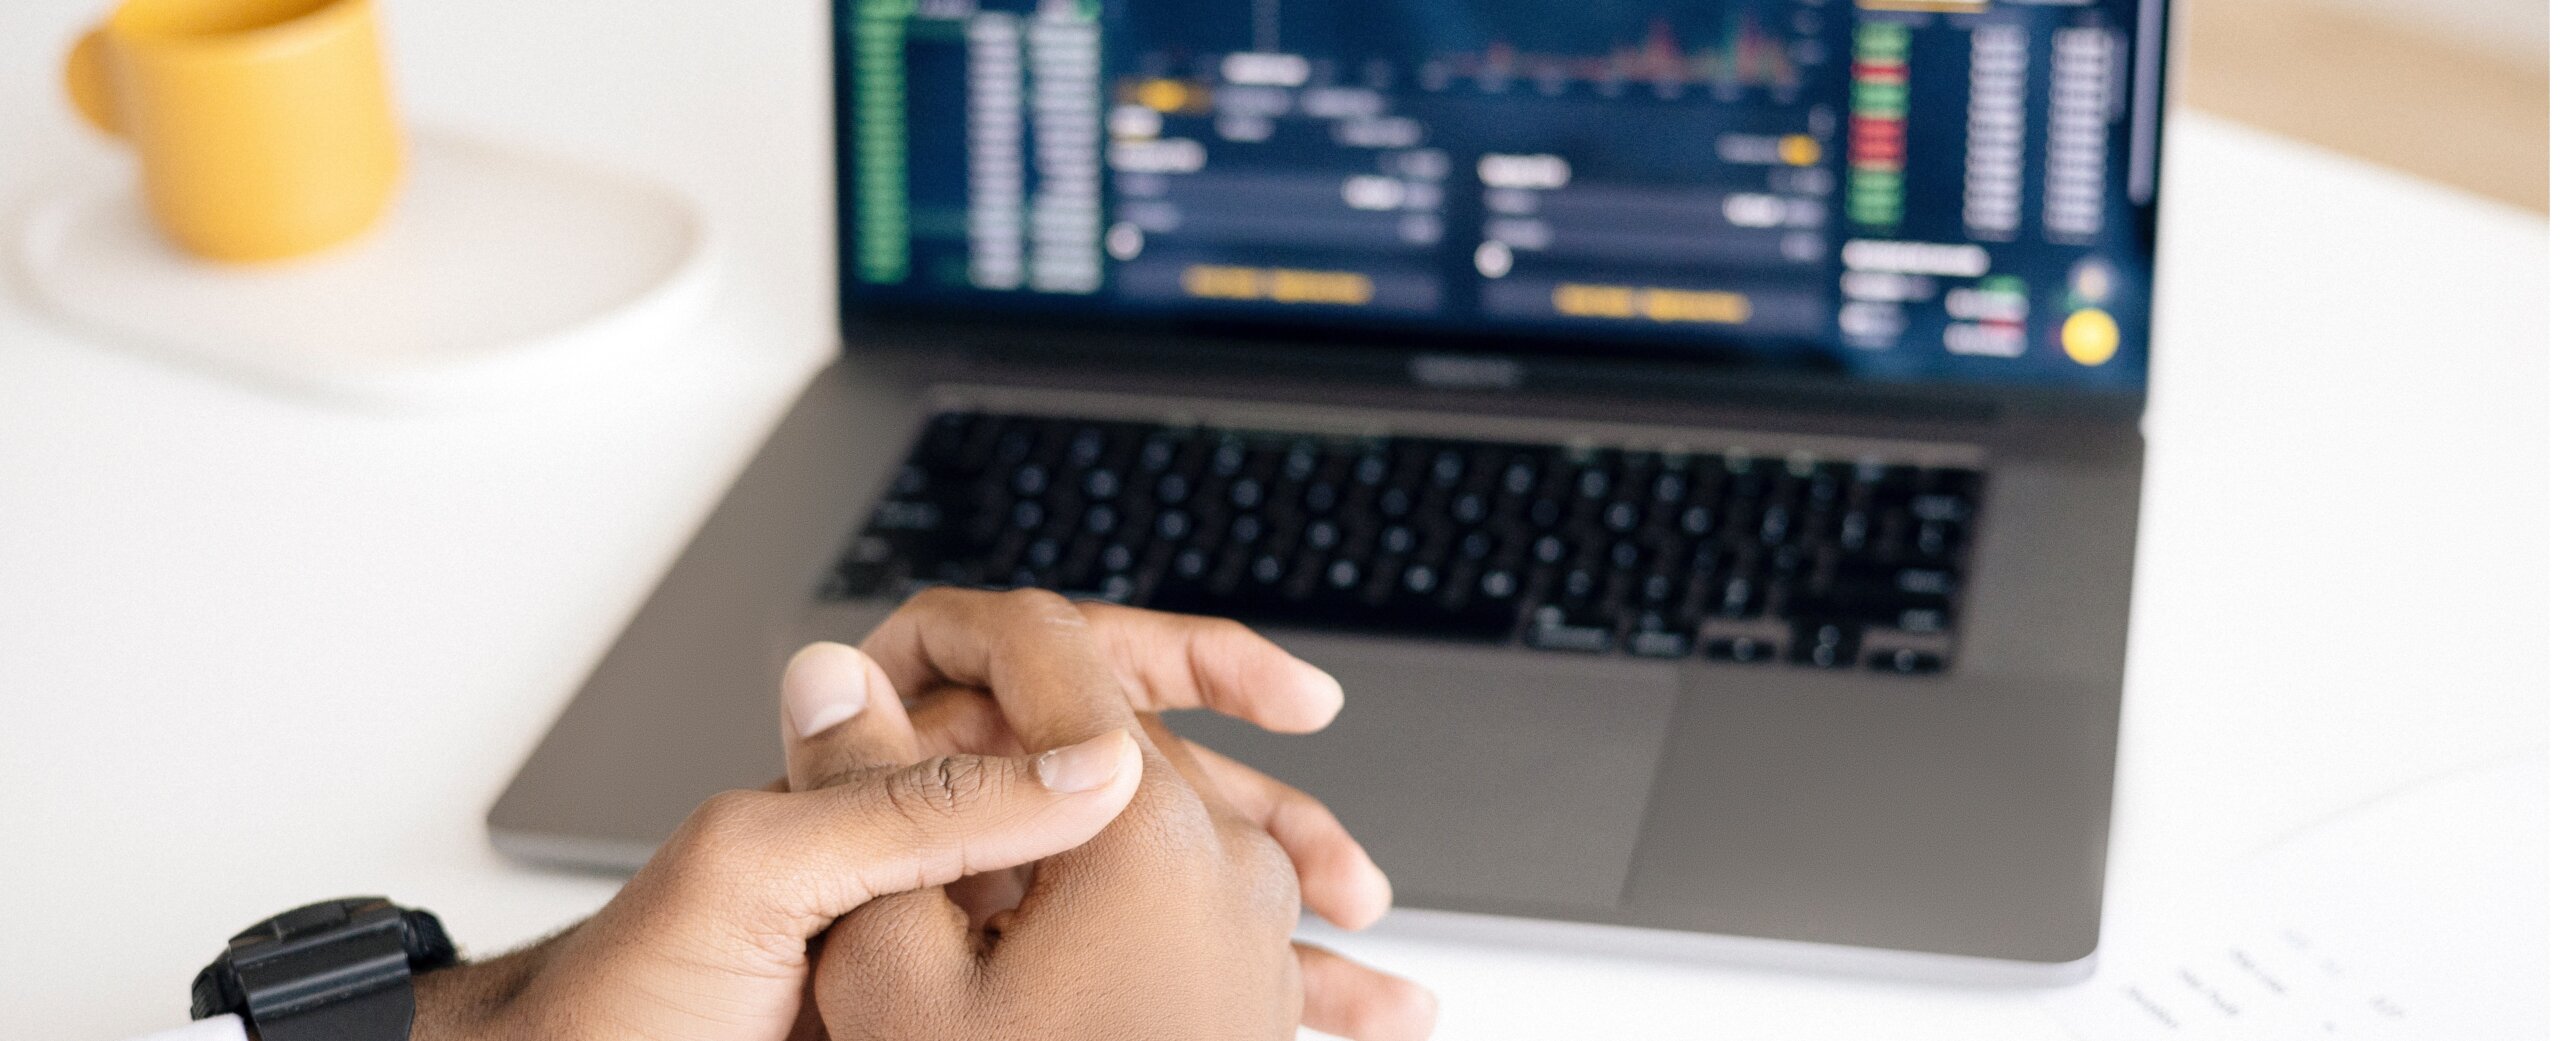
(1703, 437)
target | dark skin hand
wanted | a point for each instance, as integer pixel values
(1173, 922)
(716, 938)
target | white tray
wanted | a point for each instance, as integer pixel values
(497, 273)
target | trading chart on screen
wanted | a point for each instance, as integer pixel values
(1911, 188)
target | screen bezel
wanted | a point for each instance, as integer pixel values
(1718, 367)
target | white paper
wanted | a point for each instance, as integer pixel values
(2420, 915)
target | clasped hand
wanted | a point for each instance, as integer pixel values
(985, 833)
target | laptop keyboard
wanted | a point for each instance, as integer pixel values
(1742, 559)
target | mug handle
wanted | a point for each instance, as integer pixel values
(84, 76)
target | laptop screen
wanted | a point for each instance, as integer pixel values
(1909, 190)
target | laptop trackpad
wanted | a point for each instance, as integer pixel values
(1478, 776)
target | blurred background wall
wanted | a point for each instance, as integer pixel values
(2452, 90)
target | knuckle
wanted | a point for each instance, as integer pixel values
(939, 599)
(1168, 806)
(1041, 605)
(725, 813)
(1228, 630)
(725, 822)
(938, 788)
(1273, 877)
(958, 780)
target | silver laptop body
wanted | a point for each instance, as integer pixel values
(1936, 784)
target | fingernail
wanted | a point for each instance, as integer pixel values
(1327, 689)
(1086, 766)
(825, 684)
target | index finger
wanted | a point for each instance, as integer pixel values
(1032, 649)
(1176, 661)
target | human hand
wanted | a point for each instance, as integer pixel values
(710, 940)
(1164, 662)
(1174, 921)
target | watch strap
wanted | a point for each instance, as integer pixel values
(334, 971)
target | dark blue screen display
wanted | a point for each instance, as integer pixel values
(1916, 190)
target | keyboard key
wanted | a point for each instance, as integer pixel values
(1267, 568)
(1557, 628)
(1593, 481)
(1014, 446)
(1118, 557)
(1191, 564)
(1777, 523)
(1828, 645)
(1519, 478)
(1546, 513)
(1579, 585)
(1421, 579)
(1343, 575)
(1102, 484)
(1447, 467)
(1738, 596)
(1657, 589)
(1321, 496)
(1906, 661)
(1469, 508)
(1853, 531)
(1743, 649)
(1548, 549)
(1301, 461)
(1028, 516)
(1118, 588)
(1624, 556)
(1370, 471)
(1922, 620)
(1227, 459)
(1655, 636)
(1670, 486)
(907, 516)
(1157, 451)
(865, 568)
(1395, 503)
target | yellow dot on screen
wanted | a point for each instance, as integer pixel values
(2089, 336)
(1799, 150)
(1164, 95)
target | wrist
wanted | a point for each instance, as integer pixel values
(459, 1003)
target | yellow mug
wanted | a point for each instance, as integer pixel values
(264, 127)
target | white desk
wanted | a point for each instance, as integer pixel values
(255, 651)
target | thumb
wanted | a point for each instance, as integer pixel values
(791, 864)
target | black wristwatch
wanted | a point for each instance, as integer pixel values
(338, 970)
